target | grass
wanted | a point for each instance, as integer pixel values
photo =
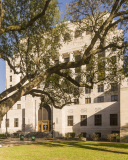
(65, 150)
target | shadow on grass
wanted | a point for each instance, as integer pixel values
(86, 145)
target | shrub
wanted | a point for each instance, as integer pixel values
(110, 137)
(95, 137)
(117, 136)
(72, 135)
(123, 139)
(67, 135)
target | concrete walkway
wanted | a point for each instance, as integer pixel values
(9, 142)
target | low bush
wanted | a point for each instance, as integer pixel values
(70, 135)
(95, 137)
(110, 137)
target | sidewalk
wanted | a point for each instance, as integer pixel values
(9, 142)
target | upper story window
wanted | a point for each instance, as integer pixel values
(113, 59)
(76, 101)
(101, 54)
(114, 98)
(87, 90)
(87, 100)
(101, 88)
(114, 86)
(10, 70)
(66, 59)
(10, 78)
(78, 70)
(77, 58)
(67, 37)
(88, 31)
(18, 106)
(56, 61)
(78, 33)
(78, 79)
(100, 99)
(38, 86)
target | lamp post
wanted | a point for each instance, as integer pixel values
(6, 122)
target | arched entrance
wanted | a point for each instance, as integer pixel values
(44, 119)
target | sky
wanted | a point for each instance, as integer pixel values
(62, 5)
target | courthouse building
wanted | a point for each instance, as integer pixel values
(94, 112)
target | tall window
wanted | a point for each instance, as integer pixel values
(87, 100)
(77, 58)
(18, 106)
(114, 86)
(23, 124)
(88, 31)
(98, 120)
(114, 98)
(15, 122)
(114, 66)
(78, 70)
(78, 33)
(38, 86)
(10, 70)
(70, 121)
(76, 101)
(6, 122)
(101, 88)
(101, 66)
(83, 120)
(66, 59)
(113, 120)
(56, 61)
(10, 78)
(87, 90)
(78, 79)
(100, 99)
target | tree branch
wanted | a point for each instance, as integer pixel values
(18, 28)
(17, 86)
(9, 63)
(34, 92)
(73, 81)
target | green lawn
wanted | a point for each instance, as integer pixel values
(59, 150)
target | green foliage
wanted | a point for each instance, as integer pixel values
(95, 137)
(110, 136)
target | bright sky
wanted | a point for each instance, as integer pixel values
(62, 5)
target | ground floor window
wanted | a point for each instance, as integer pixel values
(99, 134)
(98, 120)
(70, 121)
(83, 120)
(113, 120)
(15, 122)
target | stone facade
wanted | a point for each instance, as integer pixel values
(28, 113)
